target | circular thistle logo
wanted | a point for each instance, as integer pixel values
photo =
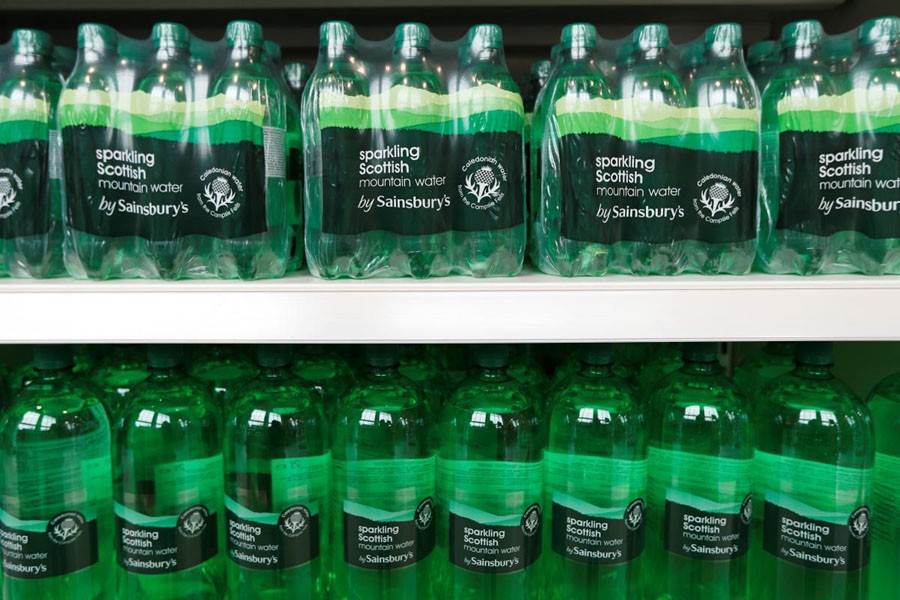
(424, 516)
(222, 193)
(719, 198)
(10, 186)
(531, 520)
(192, 521)
(484, 183)
(859, 522)
(66, 527)
(294, 521)
(634, 515)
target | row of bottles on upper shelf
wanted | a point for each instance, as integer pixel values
(179, 158)
(293, 478)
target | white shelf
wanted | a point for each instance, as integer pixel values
(118, 5)
(529, 308)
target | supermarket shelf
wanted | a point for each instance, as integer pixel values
(118, 5)
(529, 308)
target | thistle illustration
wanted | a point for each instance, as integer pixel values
(636, 516)
(716, 199)
(218, 193)
(66, 530)
(194, 523)
(861, 524)
(295, 523)
(531, 522)
(482, 184)
(424, 517)
(7, 193)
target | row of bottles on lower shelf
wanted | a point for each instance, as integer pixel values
(498, 489)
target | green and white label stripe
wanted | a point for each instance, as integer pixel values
(376, 514)
(404, 107)
(586, 508)
(219, 119)
(721, 482)
(138, 518)
(703, 504)
(720, 128)
(23, 119)
(609, 480)
(823, 491)
(857, 111)
(483, 517)
(40, 526)
(241, 512)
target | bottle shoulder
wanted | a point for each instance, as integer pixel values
(63, 409)
(793, 394)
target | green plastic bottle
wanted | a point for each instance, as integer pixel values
(168, 83)
(249, 78)
(595, 484)
(413, 70)
(293, 137)
(815, 452)
(577, 75)
(663, 359)
(755, 372)
(762, 60)
(788, 241)
(651, 78)
(490, 480)
(277, 471)
(168, 482)
(224, 369)
(524, 368)
(383, 490)
(57, 510)
(700, 483)
(326, 372)
(31, 229)
(417, 365)
(489, 236)
(121, 368)
(884, 403)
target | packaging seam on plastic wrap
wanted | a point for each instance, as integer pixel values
(176, 156)
(414, 156)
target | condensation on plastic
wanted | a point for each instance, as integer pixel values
(830, 162)
(414, 156)
(644, 156)
(30, 196)
(175, 156)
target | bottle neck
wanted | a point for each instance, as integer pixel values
(651, 55)
(596, 371)
(488, 56)
(243, 52)
(171, 53)
(275, 372)
(166, 372)
(800, 53)
(880, 48)
(411, 53)
(31, 58)
(578, 53)
(701, 368)
(491, 374)
(806, 371)
(50, 375)
(723, 55)
(382, 372)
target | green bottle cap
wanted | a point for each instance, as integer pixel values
(596, 354)
(704, 352)
(171, 35)
(336, 34)
(761, 51)
(412, 35)
(815, 353)
(802, 33)
(723, 37)
(63, 57)
(50, 358)
(165, 356)
(273, 356)
(491, 356)
(32, 41)
(296, 74)
(484, 37)
(97, 37)
(540, 70)
(244, 33)
(578, 35)
(649, 37)
(879, 31)
(382, 355)
(273, 50)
